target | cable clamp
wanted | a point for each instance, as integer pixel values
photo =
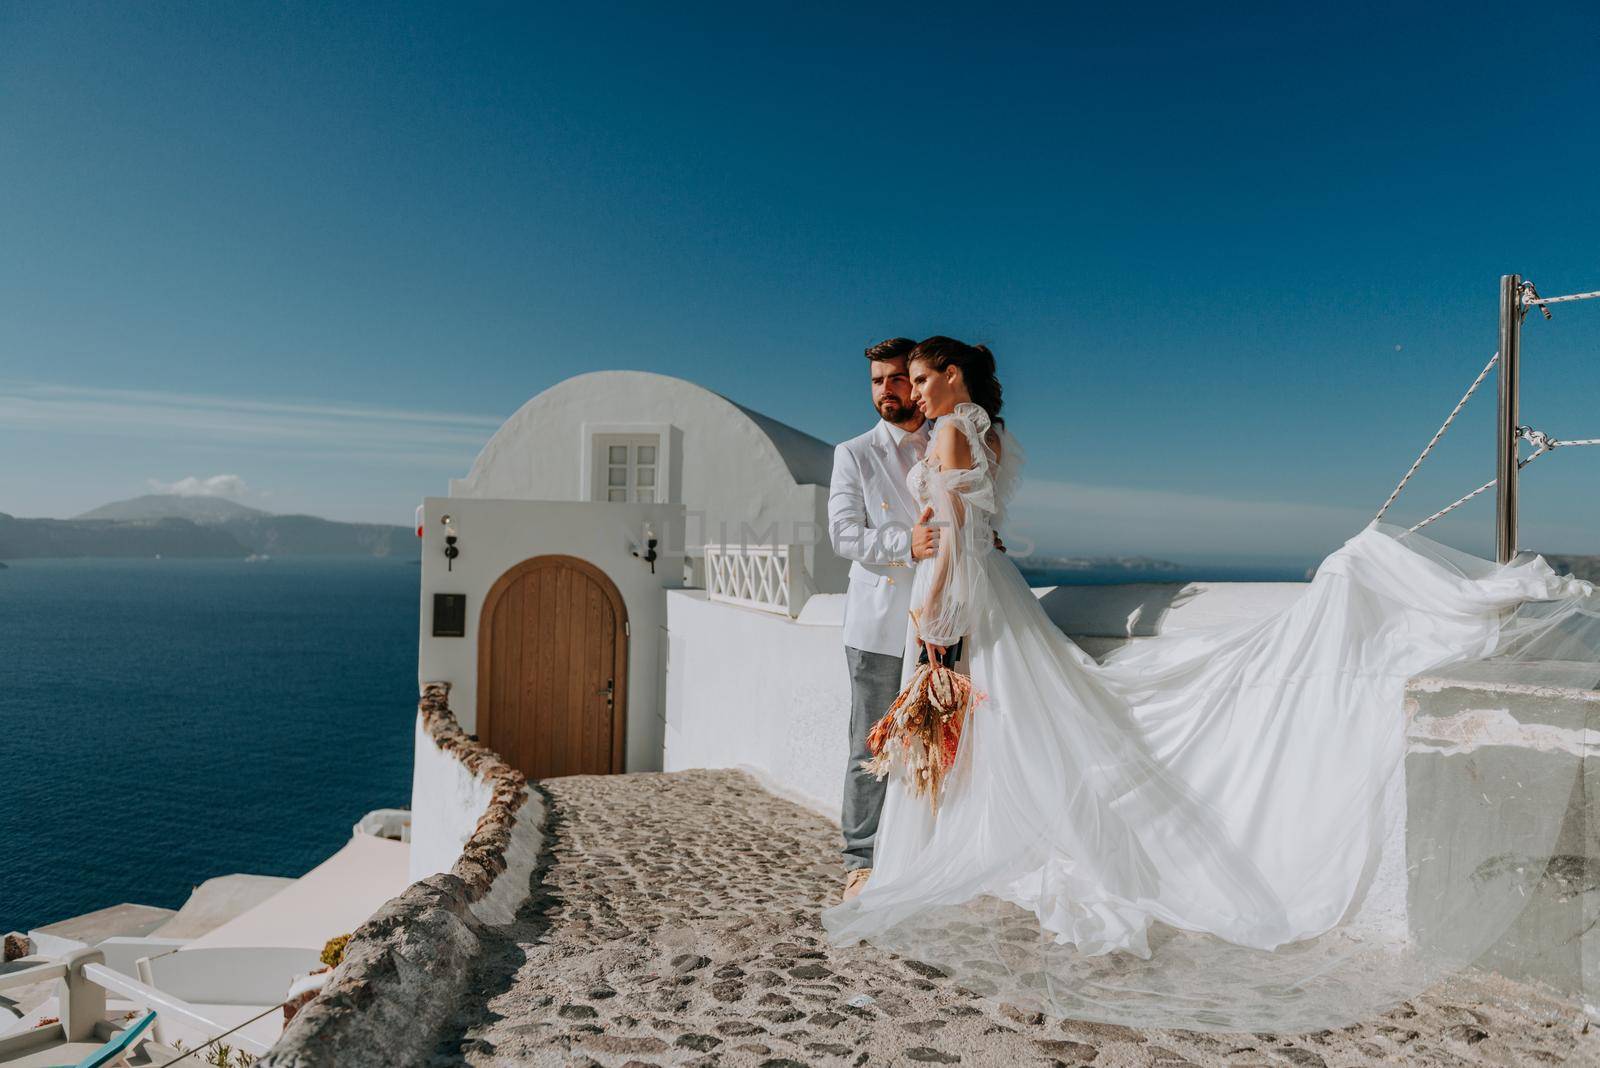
(1530, 295)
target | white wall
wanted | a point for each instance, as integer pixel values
(496, 535)
(729, 466)
(447, 801)
(756, 690)
(772, 695)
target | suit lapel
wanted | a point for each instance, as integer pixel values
(902, 506)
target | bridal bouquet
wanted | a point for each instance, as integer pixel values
(922, 729)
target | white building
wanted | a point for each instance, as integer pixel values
(558, 661)
(633, 436)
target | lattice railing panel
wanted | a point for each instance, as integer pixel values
(765, 577)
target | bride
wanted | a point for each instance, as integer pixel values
(1206, 830)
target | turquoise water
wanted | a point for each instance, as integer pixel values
(165, 721)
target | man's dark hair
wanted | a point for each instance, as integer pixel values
(896, 348)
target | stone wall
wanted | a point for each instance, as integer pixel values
(406, 969)
(447, 800)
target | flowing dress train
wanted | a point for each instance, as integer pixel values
(1156, 839)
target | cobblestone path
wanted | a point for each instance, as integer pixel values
(675, 923)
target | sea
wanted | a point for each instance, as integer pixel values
(166, 721)
(1102, 575)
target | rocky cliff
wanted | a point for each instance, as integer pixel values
(23, 538)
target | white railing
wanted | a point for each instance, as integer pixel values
(170, 1007)
(769, 578)
(84, 980)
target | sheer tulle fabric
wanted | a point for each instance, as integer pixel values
(1207, 830)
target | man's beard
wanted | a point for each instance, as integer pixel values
(895, 412)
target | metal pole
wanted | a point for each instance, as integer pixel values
(1505, 452)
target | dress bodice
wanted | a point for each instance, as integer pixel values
(978, 487)
(965, 504)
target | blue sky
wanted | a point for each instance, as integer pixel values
(1236, 263)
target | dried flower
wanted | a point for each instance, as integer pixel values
(333, 952)
(921, 732)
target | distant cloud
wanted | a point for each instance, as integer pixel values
(215, 486)
(446, 440)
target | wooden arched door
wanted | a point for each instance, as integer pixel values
(553, 668)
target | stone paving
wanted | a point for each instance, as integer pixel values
(674, 922)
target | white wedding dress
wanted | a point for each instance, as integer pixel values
(1185, 835)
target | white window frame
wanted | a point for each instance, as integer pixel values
(591, 477)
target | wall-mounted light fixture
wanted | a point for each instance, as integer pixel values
(649, 554)
(450, 550)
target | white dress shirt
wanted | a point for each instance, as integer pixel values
(870, 516)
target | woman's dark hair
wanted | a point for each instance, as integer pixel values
(977, 369)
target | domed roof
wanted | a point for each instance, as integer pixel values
(626, 397)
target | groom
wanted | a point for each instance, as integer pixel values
(873, 523)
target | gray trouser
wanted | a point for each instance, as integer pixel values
(874, 682)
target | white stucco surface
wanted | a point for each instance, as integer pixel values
(332, 899)
(447, 801)
(496, 535)
(514, 884)
(759, 691)
(740, 474)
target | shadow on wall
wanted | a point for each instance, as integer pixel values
(1131, 611)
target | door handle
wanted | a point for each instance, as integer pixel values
(607, 692)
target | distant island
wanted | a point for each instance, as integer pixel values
(161, 524)
(1040, 564)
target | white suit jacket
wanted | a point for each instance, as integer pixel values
(870, 516)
